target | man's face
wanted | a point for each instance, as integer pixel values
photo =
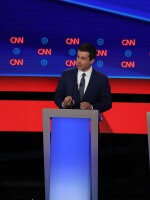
(83, 61)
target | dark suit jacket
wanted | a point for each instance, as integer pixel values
(98, 92)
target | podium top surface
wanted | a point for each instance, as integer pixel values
(70, 113)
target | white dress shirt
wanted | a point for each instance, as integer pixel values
(87, 77)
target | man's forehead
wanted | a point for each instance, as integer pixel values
(83, 53)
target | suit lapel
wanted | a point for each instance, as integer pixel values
(90, 85)
(75, 91)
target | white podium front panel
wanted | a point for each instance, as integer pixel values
(70, 154)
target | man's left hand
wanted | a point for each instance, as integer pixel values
(85, 106)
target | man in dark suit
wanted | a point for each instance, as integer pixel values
(84, 87)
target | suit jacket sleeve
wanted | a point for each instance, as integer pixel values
(60, 92)
(104, 101)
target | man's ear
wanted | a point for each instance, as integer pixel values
(92, 61)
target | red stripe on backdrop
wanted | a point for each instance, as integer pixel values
(26, 116)
(130, 86)
(22, 115)
(48, 84)
(129, 118)
(32, 84)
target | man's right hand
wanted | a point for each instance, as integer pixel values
(68, 101)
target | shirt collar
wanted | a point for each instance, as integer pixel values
(88, 73)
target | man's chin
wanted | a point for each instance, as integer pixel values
(79, 67)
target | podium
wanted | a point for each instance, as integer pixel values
(148, 126)
(70, 144)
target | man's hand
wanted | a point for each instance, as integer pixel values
(68, 101)
(85, 106)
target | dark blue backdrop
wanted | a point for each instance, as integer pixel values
(46, 25)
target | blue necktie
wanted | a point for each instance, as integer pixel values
(82, 86)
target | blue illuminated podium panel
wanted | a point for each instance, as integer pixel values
(70, 154)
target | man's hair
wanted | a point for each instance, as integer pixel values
(88, 48)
